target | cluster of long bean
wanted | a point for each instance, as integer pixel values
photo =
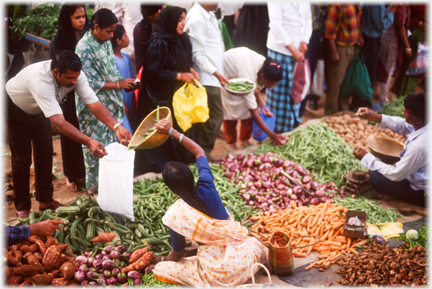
(376, 214)
(318, 149)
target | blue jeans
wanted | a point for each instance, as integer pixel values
(400, 190)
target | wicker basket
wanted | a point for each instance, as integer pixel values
(281, 258)
(254, 285)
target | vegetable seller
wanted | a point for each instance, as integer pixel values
(17, 234)
(228, 252)
(243, 62)
(33, 106)
(407, 179)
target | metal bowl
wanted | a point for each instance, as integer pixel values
(386, 149)
(155, 139)
(242, 92)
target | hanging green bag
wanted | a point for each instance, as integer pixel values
(356, 81)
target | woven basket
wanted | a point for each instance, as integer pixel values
(281, 258)
(254, 285)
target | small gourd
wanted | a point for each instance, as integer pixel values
(411, 235)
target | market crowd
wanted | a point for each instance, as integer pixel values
(89, 93)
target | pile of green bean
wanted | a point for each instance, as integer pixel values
(318, 149)
(394, 107)
(376, 214)
(240, 86)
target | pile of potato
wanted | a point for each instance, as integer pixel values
(39, 261)
(355, 131)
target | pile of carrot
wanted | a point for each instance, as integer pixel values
(318, 228)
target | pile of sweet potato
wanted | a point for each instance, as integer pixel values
(39, 261)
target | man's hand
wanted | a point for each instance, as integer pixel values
(123, 135)
(367, 113)
(45, 228)
(222, 79)
(334, 57)
(359, 153)
(195, 74)
(156, 259)
(96, 148)
(278, 139)
(163, 126)
(360, 41)
(303, 47)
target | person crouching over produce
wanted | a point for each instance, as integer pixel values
(407, 179)
(227, 252)
(242, 62)
(17, 234)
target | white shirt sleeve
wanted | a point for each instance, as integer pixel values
(396, 124)
(197, 32)
(307, 18)
(84, 91)
(275, 12)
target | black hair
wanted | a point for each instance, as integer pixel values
(104, 18)
(118, 34)
(148, 10)
(179, 179)
(65, 38)
(271, 70)
(65, 60)
(416, 104)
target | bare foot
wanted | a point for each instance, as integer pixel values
(245, 144)
(232, 146)
(72, 186)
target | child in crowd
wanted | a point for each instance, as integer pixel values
(119, 41)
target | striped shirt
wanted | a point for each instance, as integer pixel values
(342, 24)
(15, 235)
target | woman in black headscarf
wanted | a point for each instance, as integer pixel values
(72, 25)
(167, 66)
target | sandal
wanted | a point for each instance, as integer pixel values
(91, 192)
(71, 186)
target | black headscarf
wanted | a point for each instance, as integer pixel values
(65, 38)
(165, 27)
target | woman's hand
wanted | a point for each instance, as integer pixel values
(408, 51)
(303, 47)
(123, 135)
(266, 111)
(359, 153)
(163, 126)
(156, 259)
(186, 77)
(278, 139)
(298, 55)
(196, 74)
(126, 83)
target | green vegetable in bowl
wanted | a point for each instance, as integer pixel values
(240, 86)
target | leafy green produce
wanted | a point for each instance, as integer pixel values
(376, 214)
(422, 238)
(89, 13)
(240, 86)
(41, 21)
(394, 107)
(318, 149)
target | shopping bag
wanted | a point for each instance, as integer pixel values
(356, 81)
(317, 87)
(257, 133)
(190, 105)
(116, 180)
(420, 63)
(301, 81)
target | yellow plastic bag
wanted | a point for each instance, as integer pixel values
(190, 105)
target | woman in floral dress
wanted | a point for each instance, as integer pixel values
(98, 64)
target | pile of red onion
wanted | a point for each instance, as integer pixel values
(264, 186)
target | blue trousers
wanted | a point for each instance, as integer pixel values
(400, 190)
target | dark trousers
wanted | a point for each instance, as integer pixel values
(400, 190)
(206, 133)
(23, 130)
(371, 52)
(229, 22)
(72, 153)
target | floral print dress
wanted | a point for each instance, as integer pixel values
(98, 64)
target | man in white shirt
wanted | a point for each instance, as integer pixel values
(407, 179)
(33, 97)
(207, 56)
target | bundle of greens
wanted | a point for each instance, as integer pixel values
(394, 107)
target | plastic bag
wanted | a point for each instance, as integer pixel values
(116, 180)
(317, 87)
(257, 133)
(190, 105)
(356, 81)
(420, 63)
(301, 81)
